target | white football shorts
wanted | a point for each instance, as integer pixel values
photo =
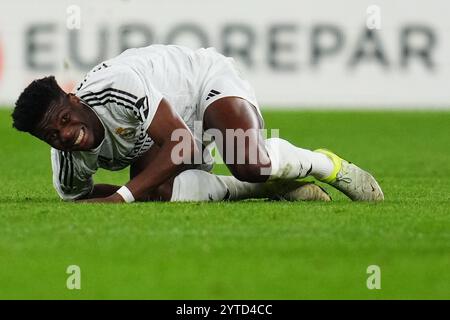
(224, 79)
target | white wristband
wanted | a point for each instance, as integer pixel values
(126, 194)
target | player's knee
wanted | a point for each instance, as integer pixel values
(164, 191)
(161, 193)
(251, 167)
(248, 172)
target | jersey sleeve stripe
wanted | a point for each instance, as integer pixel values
(106, 99)
(112, 101)
(61, 166)
(106, 95)
(108, 89)
(71, 170)
(103, 159)
(66, 170)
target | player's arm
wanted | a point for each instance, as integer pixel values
(100, 191)
(162, 166)
(145, 107)
(165, 164)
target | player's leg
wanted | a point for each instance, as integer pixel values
(273, 158)
(227, 101)
(228, 105)
(277, 158)
(198, 185)
(236, 129)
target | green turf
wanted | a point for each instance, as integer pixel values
(249, 250)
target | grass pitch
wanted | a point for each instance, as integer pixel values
(247, 250)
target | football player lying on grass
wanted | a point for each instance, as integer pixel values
(138, 108)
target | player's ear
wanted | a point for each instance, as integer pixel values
(73, 99)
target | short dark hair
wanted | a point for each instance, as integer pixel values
(34, 101)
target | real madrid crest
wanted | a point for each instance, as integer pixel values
(126, 133)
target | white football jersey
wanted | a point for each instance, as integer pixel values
(125, 93)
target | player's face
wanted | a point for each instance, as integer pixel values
(70, 126)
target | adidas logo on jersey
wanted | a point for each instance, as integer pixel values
(212, 94)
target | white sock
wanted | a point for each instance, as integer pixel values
(240, 190)
(197, 185)
(290, 162)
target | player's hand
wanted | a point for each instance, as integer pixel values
(114, 198)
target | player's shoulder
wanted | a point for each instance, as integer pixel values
(112, 85)
(105, 75)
